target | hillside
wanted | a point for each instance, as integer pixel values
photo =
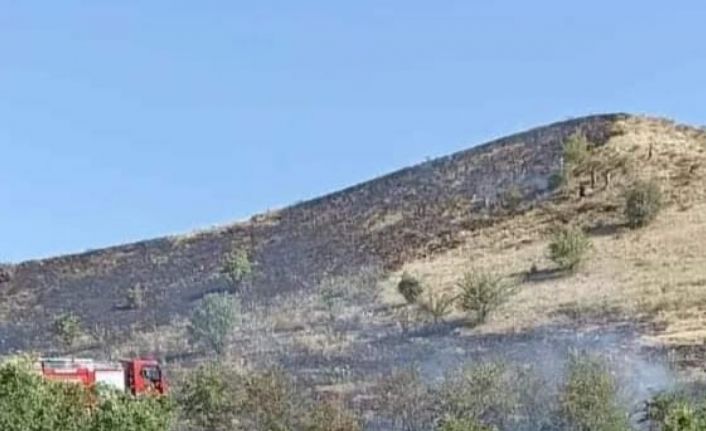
(434, 220)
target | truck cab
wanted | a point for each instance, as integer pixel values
(144, 376)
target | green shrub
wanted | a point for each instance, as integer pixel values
(214, 320)
(209, 397)
(438, 306)
(684, 417)
(512, 198)
(410, 288)
(135, 297)
(588, 400)
(576, 150)
(331, 416)
(217, 397)
(568, 248)
(480, 393)
(642, 203)
(118, 411)
(672, 411)
(273, 402)
(406, 401)
(67, 328)
(496, 395)
(30, 403)
(237, 266)
(482, 293)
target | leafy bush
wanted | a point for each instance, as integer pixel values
(218, 397)
(272, 401)
(589, 399)
(331, 416)
(512, 198)
(568, 248)
(67, 328)
(675, 412)
(480, 393)
(237, 266)
(685, 417)
(482, 293)
(135, 297)
(118, 411)
(208, 398)
(30, 403)
(406, 401)
(438, 306)
(642, 203)
(213, 321)
(576, 150)
(410, 288)
(495, 395)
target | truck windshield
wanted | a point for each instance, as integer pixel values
(152, 373)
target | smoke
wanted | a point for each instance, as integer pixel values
(638, 374)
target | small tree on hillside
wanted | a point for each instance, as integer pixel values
(642, 203)
(576, 150)
(67, 329)
(589, 398)
(512, 198)
(568, 248)
(438, 306)
(135, 297)
(209, 397)
(410, 288)
(482, 293)
(237, 267)
(213, 321)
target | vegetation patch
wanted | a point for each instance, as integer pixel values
(482, 293)
(643, 202)
(568, 248)
(410, 288)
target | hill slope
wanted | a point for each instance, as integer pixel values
(430, 219)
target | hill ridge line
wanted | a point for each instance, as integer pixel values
(478, 148)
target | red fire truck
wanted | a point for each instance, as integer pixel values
(137, 376)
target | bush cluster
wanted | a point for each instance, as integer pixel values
(643, 201)
(568, 248)
(135, 297)
(213, 321)
(237, 266)
(482, 293)
(497, 396)
(482, 396)
(67, 329)
(216, 397)
(410, 288)
(576, 150)
(30, 403)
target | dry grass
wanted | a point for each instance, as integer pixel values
(657, 273)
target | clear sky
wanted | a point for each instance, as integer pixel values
(124, 120)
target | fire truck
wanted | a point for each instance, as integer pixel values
(136, 376)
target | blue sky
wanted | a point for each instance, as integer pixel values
(126, 120)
